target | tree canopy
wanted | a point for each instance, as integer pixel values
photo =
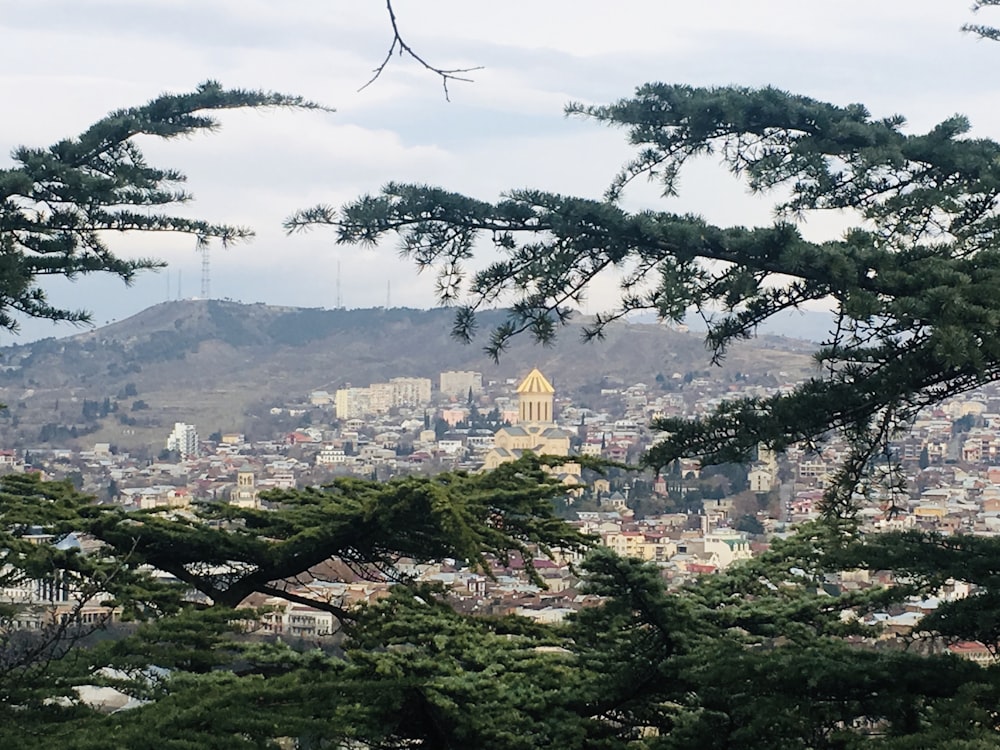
(760, 656)
(217, 556)
(59, 204)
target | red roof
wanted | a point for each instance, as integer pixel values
(701, 568)
(967, 647)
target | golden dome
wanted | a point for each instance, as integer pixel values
(535, 382)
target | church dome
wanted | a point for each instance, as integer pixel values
(535, 382)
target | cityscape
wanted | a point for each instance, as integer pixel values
(560, 375)
(688, 521)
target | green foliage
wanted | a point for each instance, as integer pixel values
(232, 328)
(768, 654)
(94, 410)
(931, 560)
(303, 326)
(750, 524)
(228, 553)
(59, 204)
(963, 424)
(755, 657)
(983, 31)
(52, 432)
(914, 285)
(751, 658)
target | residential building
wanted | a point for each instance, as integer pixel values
(381, 397)
(352, 403)
(458, 383)
(411, 391)
(331, 454)
(184, 440)
(726, 547)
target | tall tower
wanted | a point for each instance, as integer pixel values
(245, 493)
(206, 276)
(535, 397)
(535, 431)
(202, 246)
(340, 303)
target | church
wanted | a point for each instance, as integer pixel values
(535, 430)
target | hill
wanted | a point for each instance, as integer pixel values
(222, 365)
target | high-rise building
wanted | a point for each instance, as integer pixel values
(352, 403)
(458, 383)
(379, 398)
(184, 440)
(411, 391)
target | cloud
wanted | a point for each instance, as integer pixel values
(64, 64)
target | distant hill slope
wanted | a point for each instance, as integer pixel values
(216, 363)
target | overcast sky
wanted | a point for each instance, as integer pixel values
(66, 63)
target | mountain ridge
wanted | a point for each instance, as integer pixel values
(215, 363)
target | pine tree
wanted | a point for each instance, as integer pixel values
(757, 657)
(58, 205)
(914, 286)
(224, 555)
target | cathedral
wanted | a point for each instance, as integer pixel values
(535, 430)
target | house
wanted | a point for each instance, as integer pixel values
(761, 478)
(973, 651)
(725, 546)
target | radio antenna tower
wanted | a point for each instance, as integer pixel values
(388, 295)
(340, 304)
(203, 247)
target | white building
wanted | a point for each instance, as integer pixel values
(331, 455)
(726, 547)
(379, 398)
(184, 440)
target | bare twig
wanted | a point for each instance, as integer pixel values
(400, 47)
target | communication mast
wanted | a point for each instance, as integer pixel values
(206, 276)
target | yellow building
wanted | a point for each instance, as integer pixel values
(535, 430)
(245, 493)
